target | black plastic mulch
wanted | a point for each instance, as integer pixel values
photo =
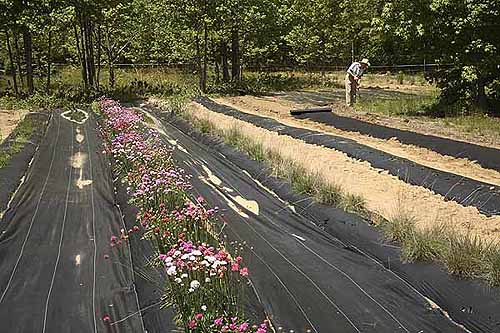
(468, 192)
(335, 277)
(10, 175)
(149, 281)
(59, 273)
(485, 156)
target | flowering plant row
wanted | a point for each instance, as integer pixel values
(205, 282)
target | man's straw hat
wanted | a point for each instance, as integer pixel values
(365, 61)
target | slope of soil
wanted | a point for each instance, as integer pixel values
(56, 274)
(313, 280)
(279, 109)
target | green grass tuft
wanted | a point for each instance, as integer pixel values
(492, 265)
(354, 203)
(329, 194)
(464, 255)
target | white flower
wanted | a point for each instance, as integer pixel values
(184, 275)
(178, 280)
(192, 258)
(206, 263)
(204, 308)
(195, 284)
(177, 253)
(196, 253)
(172, 270)
(185, 256)
(191, 290)
(168, 259)
(210, 258)
(212, 273)
(207, 279)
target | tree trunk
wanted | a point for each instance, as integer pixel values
(89, 48)
(49, 61)
(109, 54)
(18, 60)
(205, 58)
(12, 64)
(481, 94)
(235, 59)
(217, 71)
(98, 76)
(81, 55)
(28, 59)
(224, 63)
(199, 62)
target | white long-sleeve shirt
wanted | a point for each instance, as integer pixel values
(355, 69)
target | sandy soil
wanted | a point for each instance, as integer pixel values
(270, 107)
(8, 121)
(384, 194)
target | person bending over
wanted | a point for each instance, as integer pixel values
(353, 78)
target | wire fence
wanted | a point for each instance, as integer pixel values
(397, 68)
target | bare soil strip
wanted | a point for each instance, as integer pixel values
(9, 120)
(270, 107)
(384, 193)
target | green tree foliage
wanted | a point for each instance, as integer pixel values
(462, 35)
(227, 35)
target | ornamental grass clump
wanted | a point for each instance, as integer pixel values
(205, 283)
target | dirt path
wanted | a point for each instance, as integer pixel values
(269, 107)
(9, 120)
(384, 193)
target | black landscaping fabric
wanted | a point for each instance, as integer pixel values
(485, 156)
(330, 279)
(468, 192)
(10, 175)
(149, 281)
(309, 110)
(55, 276)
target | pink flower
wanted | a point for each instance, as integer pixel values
(243, 327)
(192, 324)
(218, 321)
(261, 330)
(244, 271)
(106, 318)
(198, 316)
(235, 267)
